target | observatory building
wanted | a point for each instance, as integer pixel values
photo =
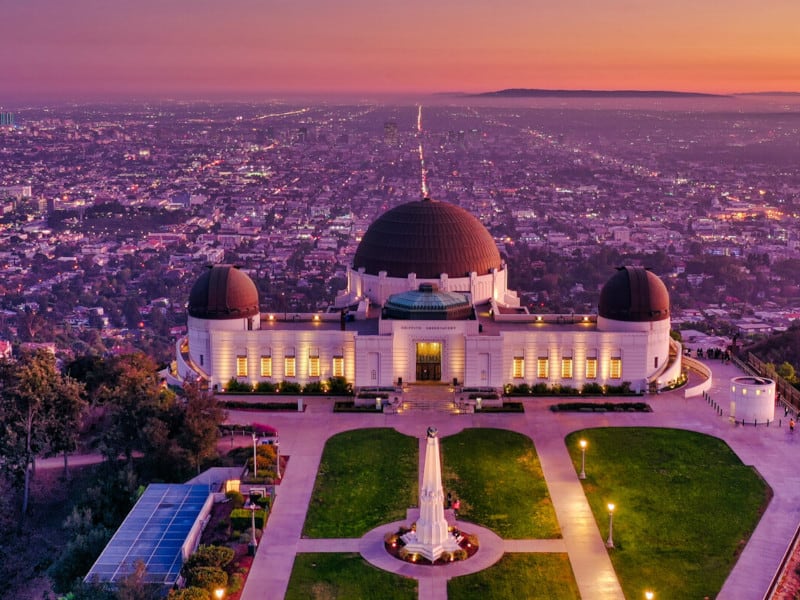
(427, 300)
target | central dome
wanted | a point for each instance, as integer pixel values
(428, 238)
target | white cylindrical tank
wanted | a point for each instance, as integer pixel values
(752, 399)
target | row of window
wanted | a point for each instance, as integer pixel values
(289, 366)
(543, 367)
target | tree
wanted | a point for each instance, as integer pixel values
(786, 370)
(29, 387)
(65, 413)
(132, 398)
(201, 420)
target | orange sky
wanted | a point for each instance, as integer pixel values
(197, 47)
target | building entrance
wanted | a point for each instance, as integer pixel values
(429, 361)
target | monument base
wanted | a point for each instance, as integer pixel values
(432, 552)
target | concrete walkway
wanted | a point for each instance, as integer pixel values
(770, 450)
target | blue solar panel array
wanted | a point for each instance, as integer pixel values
(153, 532)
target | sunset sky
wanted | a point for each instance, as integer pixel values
(196, 48)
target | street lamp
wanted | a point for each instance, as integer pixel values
(610, 540)
(219, 593)
(251, 547)
(649, 595)
(277, 445)
(582, 474)
(255, 457)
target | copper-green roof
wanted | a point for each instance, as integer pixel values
(428, 303)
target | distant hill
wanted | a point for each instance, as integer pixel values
(537, 93)
(791, 94)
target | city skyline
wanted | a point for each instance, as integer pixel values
(90, 49)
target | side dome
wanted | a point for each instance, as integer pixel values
(428, 238)
(223, 292)
(634, 294)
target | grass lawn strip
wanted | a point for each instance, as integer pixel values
(685, 506)
(324, 576)
(498, 478)
(529, 576)
(366, 477)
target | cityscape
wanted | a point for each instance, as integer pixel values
(418, 301)
(121, 207)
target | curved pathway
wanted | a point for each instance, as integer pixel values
(303, 436)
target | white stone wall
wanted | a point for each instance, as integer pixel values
(378, 288)
(752, 399)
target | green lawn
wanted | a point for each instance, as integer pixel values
(317, 576)
(366, 477)
(529, 576)
(685, 506)
(498, 478)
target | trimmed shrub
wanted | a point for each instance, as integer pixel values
(234, 385)
(208, 578)
(189, 593)
(265, 387)
(289, 387)
(314, 387)
(593, 389)
(240, 518)
(236, 498)
(209, 556)
(338, 386)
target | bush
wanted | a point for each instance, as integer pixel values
(290, 387)
(209, 556)
(265, 387)
(236, 498)
(236, 583)
(314, 387)
(241, 519)
(593, 389)
(338, 386)
(189, 593)
(234, 385)
(523, 389)
(208, 578)
(540, 389)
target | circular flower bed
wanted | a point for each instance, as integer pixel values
(468, 546)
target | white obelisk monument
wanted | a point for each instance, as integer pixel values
(431, 537)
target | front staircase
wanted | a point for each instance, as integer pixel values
(428, 397)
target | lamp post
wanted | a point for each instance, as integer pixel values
(610, 540)
(251, 547)
(277, 445)
(255, 457)
(582, 474)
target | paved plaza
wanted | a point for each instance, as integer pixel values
(303, 436)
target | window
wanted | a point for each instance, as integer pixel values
(289, 366)
(313, 366)
(655, 362)
(542, 368)
(591, 368)
(338, 366)
(518, 371)
(266, 366)
(241, 366)
(615, 367)
(201, 360)
(566, 367)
